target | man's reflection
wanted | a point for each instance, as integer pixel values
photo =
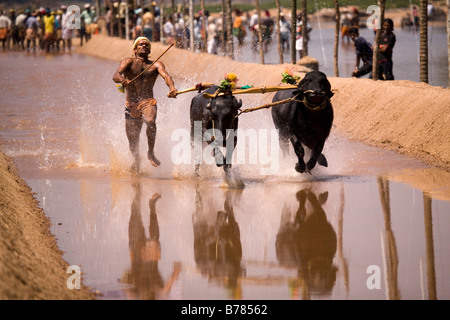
(308, 242)
(217, 246)
(145, 253)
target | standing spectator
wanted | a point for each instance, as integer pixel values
(147, 19)
(415, 14)
(67, 31)
(58, 29)
(5, 27)
(21, 29)
(89, 18)
(49, 29)
(363, 50)
(285, 31)
(385, 63)
(238, 27)
(13, 32)
(355, 18)
(32, 26)
(267, 25)
(169, 31)
(213, 36)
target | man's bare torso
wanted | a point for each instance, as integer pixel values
(141, 88)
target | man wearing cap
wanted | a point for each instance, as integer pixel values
(89, 16)
(138, 78)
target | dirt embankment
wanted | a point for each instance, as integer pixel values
(31, 265)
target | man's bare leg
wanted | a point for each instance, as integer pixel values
(151, 138)
(133, 129)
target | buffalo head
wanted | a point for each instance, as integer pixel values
(314, 90)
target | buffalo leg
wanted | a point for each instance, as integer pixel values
(315, 154)
(300, 152)
(322, 160)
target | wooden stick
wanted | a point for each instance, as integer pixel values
(195, 88)
(254, 90)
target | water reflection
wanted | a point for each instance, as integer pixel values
(217, 245)
(390, 247)
(308, 242)
(145, 254)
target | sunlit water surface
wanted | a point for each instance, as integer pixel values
(359, 229)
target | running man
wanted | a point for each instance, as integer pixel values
(140, 104)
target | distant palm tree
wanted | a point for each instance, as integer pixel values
(280, 51)
(375, 74)
(336, 38)
(293, 30)
(423, 22)
(224, 30)
(304, 27)
(229, 25)
(204, 25)
(448, 39)
(261, 46)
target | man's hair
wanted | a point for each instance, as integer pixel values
(353, 31)
(391, 23)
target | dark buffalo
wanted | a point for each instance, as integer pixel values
(308, 242)
(217, 245)
(306, 120)
(220, 114)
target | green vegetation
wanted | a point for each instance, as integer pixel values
(312, 5)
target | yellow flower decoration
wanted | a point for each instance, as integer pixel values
(229, 83)
(231, 77)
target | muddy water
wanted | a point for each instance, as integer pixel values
(366, 227)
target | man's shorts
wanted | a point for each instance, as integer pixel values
(141, 111)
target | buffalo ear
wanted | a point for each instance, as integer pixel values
(330, 94)
(239, 104)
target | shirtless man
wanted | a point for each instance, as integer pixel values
(140, 104)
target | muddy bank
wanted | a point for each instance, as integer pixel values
(404, 116)
(31, 265)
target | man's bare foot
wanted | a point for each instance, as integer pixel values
(155, 162)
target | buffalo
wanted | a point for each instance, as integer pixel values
(307, 241)
(217, 242)
(305, 119)
(217, 116)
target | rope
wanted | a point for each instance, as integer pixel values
(304, 101)
(268, 105)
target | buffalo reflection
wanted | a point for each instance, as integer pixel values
(145, 253)
(308, 242)
(217, 245)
